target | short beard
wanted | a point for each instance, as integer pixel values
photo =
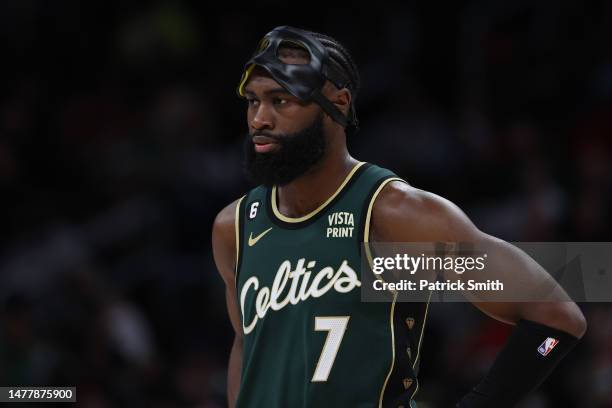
(297, 153)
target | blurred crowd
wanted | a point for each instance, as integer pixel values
(121, 137)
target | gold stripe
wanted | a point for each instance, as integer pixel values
(392, 311)
(422, 330)
(415, 390)
(382, 391)
(366, 239)
(315, 212)
(245, 77)
(237, 226)
(366, 233)
(419, 345)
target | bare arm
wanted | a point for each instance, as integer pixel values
(405, 214)
(224, 252)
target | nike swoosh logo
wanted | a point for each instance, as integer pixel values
(253, 240)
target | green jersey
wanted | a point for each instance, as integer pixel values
(309, 340)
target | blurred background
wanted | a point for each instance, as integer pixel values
(120, 140)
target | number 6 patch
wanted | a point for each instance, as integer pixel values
(253, 207)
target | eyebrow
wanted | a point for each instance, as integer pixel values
(273, 91)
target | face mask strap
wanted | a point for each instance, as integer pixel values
(330, 108)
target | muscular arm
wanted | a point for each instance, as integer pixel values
(224, 252)
(405, 214)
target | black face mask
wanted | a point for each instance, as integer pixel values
(304, 81)
(297, 153)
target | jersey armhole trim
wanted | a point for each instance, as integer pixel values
(366, 238)
(239, 227)
(378, 189)
(368, 219)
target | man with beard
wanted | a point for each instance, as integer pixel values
(289, 253)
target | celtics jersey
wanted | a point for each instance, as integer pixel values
(309, 340)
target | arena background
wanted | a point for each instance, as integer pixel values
(120, 140)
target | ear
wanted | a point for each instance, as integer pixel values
(339, 97)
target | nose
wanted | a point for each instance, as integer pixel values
(262, 118)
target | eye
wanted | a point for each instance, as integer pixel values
(252, 101)
(279, 101)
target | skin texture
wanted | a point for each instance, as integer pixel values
(224, 252)
(401, 213)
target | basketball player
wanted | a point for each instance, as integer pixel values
(303, 337)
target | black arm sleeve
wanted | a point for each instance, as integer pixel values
(530, 354)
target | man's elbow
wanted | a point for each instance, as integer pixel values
(569, 318)
(580, 324)
(565, 316)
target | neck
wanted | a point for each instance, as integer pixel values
(306, 193)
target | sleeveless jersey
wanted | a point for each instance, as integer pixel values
(309, 340)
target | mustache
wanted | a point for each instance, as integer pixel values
(276, 138)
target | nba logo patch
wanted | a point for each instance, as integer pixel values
(547, 346)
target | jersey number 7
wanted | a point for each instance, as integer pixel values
(336, 326)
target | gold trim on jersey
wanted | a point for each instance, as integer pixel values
(422, 330)
(366, 231)
(284, 218)
(419, 345)
(366, 239)
(391, 313)
(237, 226)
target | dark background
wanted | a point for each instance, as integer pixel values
(120, 140)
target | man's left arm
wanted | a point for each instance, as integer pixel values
(405, 214)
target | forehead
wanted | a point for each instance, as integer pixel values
(260, 80)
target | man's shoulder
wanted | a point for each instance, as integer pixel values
(224, 240)
(224, 225)
(398, 195)
(227, 216)
(402, 212)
